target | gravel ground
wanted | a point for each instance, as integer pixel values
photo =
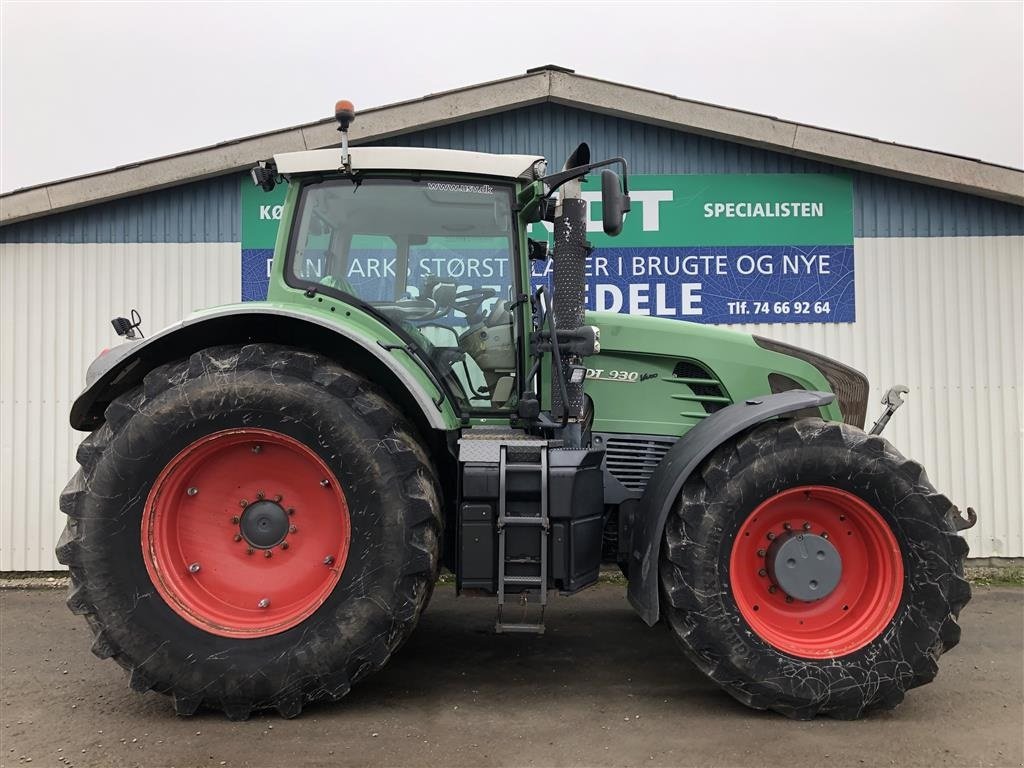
(1006, 575)
(599, 689)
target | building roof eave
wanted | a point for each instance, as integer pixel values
(553, 84)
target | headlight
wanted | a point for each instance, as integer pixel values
(849, 385)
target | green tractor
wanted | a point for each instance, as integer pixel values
(269, 489)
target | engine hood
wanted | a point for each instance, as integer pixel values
(660, 376)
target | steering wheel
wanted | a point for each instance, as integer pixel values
(415, 310)
(470, 302)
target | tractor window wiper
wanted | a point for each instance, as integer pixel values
(547, 314)
(412, 349)
(424, 363)
(409, 345)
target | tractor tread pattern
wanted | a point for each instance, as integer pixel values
(414, 472)
(712, 636)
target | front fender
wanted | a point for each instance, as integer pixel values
(669, 476)
(124, 366)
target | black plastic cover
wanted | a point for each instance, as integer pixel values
(850, 385)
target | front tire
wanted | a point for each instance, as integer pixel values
(255, 527)
(785, 513)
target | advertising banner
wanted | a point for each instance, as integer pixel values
(774, 248)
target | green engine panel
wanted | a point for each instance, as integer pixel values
(660, 377)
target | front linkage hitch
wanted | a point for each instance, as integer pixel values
(892, 400)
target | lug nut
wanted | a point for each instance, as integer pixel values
(192, 491)
(264, 602)
(842, 518)
(257, 448)
(789, 599)
(760, 553)
(284, 545)
(243, 503)
(259, 495)
(238, 537)
(328, 560)
(762, 572)
(267, 553)
(773, 589)
(787, 526)
(291, 510)
(278, 498)
(807, 526)
(194, 568)
(771, 536)
(824, 534)
(325, 483)
(249, 551)
(292, 529)
(236, 519)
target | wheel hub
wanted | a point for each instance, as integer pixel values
(224, 497)
(264, 524)
(805, 566)
(834, 538)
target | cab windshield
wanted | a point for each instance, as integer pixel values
(435, 257)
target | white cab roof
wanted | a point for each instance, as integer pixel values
(409, 159)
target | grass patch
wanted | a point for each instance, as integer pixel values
(1003, 576)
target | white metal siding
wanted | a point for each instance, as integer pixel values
(945, 316)
(56, 302)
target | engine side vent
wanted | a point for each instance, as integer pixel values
(780, 382)
(705, 387)
(631, 459)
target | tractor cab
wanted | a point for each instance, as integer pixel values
(435, 257)
(433, 242)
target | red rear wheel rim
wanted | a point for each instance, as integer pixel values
(869, 589)
(245, 532)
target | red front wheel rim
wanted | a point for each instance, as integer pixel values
(245, 532)
(862, 602)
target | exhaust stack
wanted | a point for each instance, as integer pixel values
(571, 250)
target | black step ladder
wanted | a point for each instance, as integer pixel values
(539, 580)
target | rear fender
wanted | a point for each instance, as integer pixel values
(125, 366)
(669, 476)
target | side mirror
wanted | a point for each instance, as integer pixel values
(614, 204)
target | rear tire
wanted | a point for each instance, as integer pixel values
(168, 571)
(892, 613)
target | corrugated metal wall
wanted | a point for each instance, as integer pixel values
(55, 305)
(945, 316)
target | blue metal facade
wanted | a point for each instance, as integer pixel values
(200, 212)
(208, 211)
